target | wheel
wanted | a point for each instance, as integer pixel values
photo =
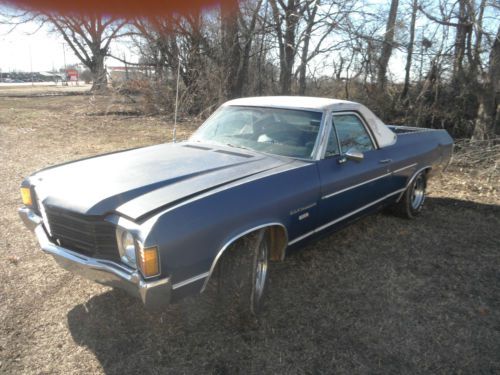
(412, 201)
(242, 275)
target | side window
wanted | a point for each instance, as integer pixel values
(352, 133)
(332, 148)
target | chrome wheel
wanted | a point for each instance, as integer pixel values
(261, 270)
(418, 192)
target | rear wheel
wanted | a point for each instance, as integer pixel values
(243, 273)
(413, 199)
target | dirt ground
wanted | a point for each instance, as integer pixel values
(385, 295)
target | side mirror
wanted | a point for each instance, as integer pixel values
(352, 154)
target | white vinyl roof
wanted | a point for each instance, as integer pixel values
(384, 136)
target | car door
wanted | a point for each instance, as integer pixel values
(349, 186)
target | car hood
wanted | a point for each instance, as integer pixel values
(136, 182)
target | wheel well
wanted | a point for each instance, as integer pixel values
(278, 238)
(427, 174)
(426, 170)
(279, 242)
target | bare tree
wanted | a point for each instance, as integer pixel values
(409, 54)
(238, 31)
(88, 36)
(287, 16)
(487, 124)
(387, 46)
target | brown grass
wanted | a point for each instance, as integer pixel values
(385, 295)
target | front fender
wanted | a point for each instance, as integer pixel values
(192, 236)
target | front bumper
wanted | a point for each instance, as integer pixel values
(154, 294)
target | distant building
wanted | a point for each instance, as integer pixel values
(125, 73)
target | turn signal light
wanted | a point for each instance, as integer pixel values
(26, 196)
(148, 261)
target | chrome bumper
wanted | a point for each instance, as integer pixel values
(154, 294)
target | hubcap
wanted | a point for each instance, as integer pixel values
(418, 192)
(261, 271)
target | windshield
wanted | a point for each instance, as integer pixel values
(286, 132)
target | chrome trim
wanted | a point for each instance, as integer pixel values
(154, 294)
(305, 215)
(322, 138)
(354, 155)
(411, 180)
(324, 226)
(404, 168)
(190, 280)
(232, 240)
(29, 218)
(328, 125)
(43, 213)
(355, 186)
(301, 209)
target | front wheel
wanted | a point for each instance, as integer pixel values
(243, 273)
(413, 198)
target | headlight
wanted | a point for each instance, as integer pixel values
(128, 243)
(134, 254)
(127, 247)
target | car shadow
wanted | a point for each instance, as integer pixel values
(342, 304)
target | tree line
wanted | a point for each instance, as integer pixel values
(448, 54)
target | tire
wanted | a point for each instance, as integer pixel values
(242, 275)
(411, 203)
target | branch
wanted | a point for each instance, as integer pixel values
(442, 21)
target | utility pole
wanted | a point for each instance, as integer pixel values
(174, 130)
(64, 81)
(64, 56)
(31, 66)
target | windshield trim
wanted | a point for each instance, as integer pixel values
(315, 154)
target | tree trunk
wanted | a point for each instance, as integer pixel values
(231, 51)
(289, 50)
(98, 71)
(460, 39)
(286, 41)
(244, 58)
(409, 56)
(305, 49)
(387, 47)
(487, 124)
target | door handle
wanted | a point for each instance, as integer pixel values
(385, 161)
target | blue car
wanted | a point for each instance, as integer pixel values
(257, 178)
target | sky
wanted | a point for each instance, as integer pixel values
(28, 46)
(24, 47)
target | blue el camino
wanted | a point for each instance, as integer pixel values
(259, 176)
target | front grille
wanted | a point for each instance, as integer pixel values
(83, 234)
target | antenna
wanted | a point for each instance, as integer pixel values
(176, 100)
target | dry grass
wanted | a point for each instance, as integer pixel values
(384, 295)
